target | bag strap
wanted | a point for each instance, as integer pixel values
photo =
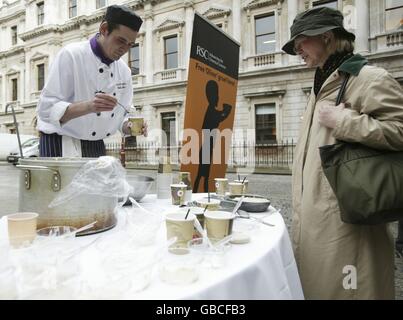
(342, 89)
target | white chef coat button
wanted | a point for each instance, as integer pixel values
(98, 114)
(94, 133)
(114, 93)
(108, 134)
(111, 74)
(112, 115)
(101, 70)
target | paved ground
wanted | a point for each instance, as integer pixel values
(276, 187)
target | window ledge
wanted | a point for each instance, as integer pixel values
(263, 60)
(170, 75)
(138, 79)
(389, 40)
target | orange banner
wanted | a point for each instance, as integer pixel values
(210, 105)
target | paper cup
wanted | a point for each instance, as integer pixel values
(137, 126)
(213, 204)
(218, 224)
(21, 228)
(245, 185)
(181, 228)
(178, 193)
(235, 188)
(221, 186)
(199, 213)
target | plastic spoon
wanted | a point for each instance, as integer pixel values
(202, 232)
(245, 215)
(137, 204)
(238, 205)
(88, 226)
(223, 241)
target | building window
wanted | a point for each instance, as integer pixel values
(394, 15)
(171, 52)
(41, 76)
(168, 125)
(14, 35)
(72, 8)
(100, 4)
(265, 120)
(325, 3)
(265, 30)
(41, 13)
(134, 59)
(14, 89)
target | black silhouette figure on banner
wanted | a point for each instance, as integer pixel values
(212, 119)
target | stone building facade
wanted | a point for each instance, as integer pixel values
(273, 87)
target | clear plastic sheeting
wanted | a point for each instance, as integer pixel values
(142, 224)
(112, 266)
(48, 269)
(104, 176)
(8, 279)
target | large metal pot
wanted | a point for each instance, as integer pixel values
(42, 179)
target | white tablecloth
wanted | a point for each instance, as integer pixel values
(264, 268)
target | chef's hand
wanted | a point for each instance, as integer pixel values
(102, 102)
(144, 129)
(127, 125)
(329, 115)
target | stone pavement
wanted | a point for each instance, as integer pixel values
(276, 187)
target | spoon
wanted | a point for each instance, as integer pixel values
(88, 226)
(245, 215)
(202, 232)
(238, 205)
(223, 241)
(137, 204)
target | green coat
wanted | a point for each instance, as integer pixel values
(323, 244)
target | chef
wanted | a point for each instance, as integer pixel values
(88, 93)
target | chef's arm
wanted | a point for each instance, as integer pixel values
(101, 102)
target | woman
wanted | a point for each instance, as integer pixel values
(338, 260)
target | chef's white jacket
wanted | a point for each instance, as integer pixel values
(75, 76)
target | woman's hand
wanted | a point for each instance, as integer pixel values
(329, 115)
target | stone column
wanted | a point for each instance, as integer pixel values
(249, 39)
(361, 26)
(236, 27)
(189, 16)
(49, 11)
(30, 16)
(292, 13)
(3, 91)
(148, 63)
(3, 34)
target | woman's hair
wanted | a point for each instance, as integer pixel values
(338, 42)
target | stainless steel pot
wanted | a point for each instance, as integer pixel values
(41, 180)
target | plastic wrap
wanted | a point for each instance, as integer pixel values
(104, 176)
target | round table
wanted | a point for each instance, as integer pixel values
(264, 268)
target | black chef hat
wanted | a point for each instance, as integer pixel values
(124, 16)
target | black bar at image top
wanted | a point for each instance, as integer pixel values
(210, 43)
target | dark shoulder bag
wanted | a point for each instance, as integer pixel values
(368, 183)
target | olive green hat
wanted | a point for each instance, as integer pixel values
(314, 22)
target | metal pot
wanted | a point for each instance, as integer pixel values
(41, 179)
